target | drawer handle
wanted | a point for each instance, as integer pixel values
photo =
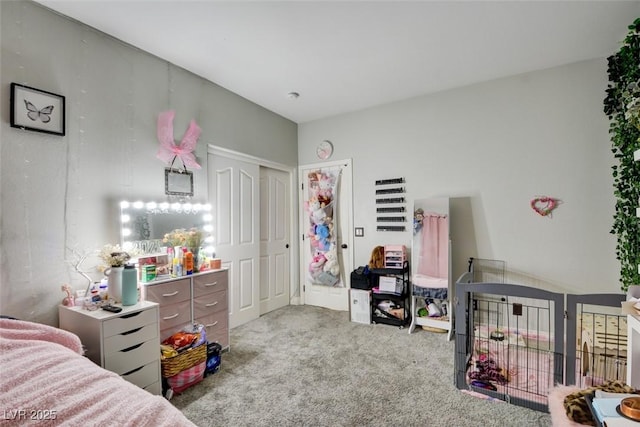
(129, 316)
(210, 284)
(133, 331)
(171, 294)
(133, 347)
(211, 304)
(133, 371)
(212, 324)
(171, 317)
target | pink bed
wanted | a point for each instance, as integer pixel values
(45, 380)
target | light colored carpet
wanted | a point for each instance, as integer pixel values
(308, 366)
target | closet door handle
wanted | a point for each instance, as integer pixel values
(343, 246)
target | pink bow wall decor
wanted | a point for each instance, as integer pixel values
(169, 151)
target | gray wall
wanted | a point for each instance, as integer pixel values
(492, 147)
(59, 193)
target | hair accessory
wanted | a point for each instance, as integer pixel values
(543, 205)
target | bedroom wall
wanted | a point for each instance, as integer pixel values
(59, 193)
(492, 147)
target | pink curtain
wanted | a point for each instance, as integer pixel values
(434, 254)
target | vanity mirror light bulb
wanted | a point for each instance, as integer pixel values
(124, 204)
(152, 205)
(210, 250)
(197, 207)
(164, 205)
(208, 228)
(138, 205)
(208, 239)
(125, 218)
(175, 206)
(207, 207)
(126, 232)
(207, 217)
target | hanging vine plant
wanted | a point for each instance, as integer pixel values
(622, 106)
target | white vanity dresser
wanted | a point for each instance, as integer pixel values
(126, 343)
(198, 298)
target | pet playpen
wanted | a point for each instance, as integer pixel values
(515, 343)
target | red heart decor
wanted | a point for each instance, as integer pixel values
(544, 205)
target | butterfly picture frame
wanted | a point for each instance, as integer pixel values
(37, 110)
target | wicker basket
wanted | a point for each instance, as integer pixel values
(185, 360)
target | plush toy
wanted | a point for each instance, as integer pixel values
(317, 262)
(316, 212)
(325, 192)
(322, 236)
(331, 265)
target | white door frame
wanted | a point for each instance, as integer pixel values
(348, 239)
(294, 287)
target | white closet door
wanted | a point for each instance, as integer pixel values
(275, 245)
(234, 195)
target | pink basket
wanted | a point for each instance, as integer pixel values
(185, 379)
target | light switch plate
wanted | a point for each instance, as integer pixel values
(359, 231)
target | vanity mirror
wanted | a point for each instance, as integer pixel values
(144, 224)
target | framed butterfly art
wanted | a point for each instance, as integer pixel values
(37, 110)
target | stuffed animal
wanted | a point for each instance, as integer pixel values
(325, 191)
(322, 236)
(331, 265)
(317, 262)
(316, 212)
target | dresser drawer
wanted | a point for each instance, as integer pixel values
(144, 375)
(168, 293)
(155, 388)
(129, 322)
(175, 315)
(220, 336)
(208, 283)
(217, 326)
(210, 303)
(131, 358)
(128, 339)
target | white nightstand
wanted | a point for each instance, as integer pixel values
(127, 343)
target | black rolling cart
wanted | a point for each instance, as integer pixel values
(400, 313)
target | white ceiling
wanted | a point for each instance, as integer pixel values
(347, 56)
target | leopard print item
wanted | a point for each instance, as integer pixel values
(576, 406)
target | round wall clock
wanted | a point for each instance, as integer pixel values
(324, 150)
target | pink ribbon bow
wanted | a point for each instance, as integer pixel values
(168, 150)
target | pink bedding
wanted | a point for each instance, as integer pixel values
(44, 380)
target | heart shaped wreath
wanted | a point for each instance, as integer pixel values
(544, 205)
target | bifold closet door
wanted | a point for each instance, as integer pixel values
(234, 188)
